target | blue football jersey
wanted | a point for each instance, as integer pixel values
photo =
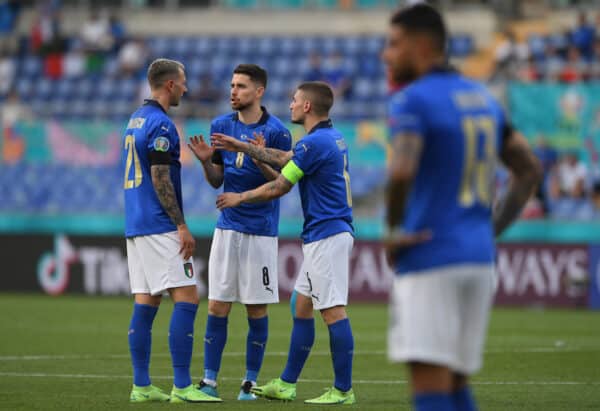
(461, 125)
(322, 155)
(149, 129)
(241, 174)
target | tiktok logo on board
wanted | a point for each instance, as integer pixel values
(53, 267)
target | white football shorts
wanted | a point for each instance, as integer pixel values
(440, 316)
(155, 264)
(325, 270)
(243, 267)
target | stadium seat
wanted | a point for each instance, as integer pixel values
(461, 45)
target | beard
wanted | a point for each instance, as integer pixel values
(403, 75)
(239, 106)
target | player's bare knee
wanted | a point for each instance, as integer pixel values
(147, 299)
(333, 314)
(304, 307)
(219, 308)
(256, 310)
(188, 294)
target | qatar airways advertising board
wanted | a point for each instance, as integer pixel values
(561, 275)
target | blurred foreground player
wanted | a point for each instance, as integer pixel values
(447, 132)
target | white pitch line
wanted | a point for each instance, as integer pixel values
(370, 382)
(57, 357)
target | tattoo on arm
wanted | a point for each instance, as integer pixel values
(272, 156)
(163, 186)
(405, 158)
(267, 171)
(268, 191)
(526, 175)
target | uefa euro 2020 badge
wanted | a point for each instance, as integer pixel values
(161, 144)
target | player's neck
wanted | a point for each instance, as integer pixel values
(311, 122)
(162, 99)
(251, 114)
(427, 65)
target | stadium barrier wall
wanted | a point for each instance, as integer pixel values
(557, 275)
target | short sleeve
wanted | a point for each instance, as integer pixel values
(281, 139)
(405, 115)
(163, 139)
(306, 155)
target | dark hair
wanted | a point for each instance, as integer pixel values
(422, 18)
(320, 95)
(256, 73)
(161, 70)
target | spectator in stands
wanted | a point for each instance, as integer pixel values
(337, 76)
(74, 62)
(548, 157)
(570, 178)
(507, 55)
(552, 63)
(133, 56)
(117, 32)
(205, 98)
(9, 13)
(95, 33)
(315, 71)
(12, 111)
(583, 35)
(594, 69)
(527, 71)
(7, 71)
(575, 68)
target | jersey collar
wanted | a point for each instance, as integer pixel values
(263, 119)
(442, 68)
(322, 124)
(152, 102)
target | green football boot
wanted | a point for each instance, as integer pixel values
(191, 393)
(149, 393)
(334, 396)
(276, 389)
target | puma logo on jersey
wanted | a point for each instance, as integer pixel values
(269, 289)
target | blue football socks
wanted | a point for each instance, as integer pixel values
(463, 400)
(181, 341)
(214, 343)
(258, 333)
(140, 342)
(341, 344)
(302, 340)
(433, 401)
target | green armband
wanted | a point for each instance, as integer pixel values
(292, 172)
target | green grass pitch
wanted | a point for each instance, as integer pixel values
(70, 353)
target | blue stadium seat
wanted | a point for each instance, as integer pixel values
(351, 46)
(32, 66)
(290, 46)
(461, 45)
(25, 88)
(268, 46)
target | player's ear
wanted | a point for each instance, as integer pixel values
(260, 91)
(307, 106)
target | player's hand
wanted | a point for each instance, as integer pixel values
(398, 240)
(201, 150)
(228, 200)
(258, 141)
(188, 244)
(224, 142)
